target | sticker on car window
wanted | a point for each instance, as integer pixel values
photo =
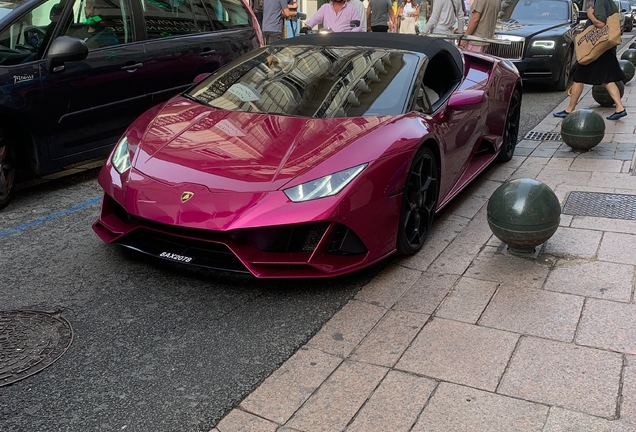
(245, 92)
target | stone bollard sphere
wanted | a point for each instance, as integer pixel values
(632, 45)
(523, 213)
(630, 55)
(582, 129)
(602, 97)
(628, 69)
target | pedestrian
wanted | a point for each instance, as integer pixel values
(409, 12)
(274, 14)
(444, 15)
(482, 21)
(335, 15)
(362, 10)
(380, 16)
(604, 70)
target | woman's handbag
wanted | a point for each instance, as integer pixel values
(593, 41)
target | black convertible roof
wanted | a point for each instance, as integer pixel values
(426, 45)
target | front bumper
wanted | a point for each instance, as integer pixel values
(539, 69)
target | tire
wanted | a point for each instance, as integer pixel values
(511, 128)
(564, 78)
(630, 26)
(419, 200)
(7, 166)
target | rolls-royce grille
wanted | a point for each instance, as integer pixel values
(513, 51)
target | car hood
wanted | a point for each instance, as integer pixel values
(514, 28)
(238, 151)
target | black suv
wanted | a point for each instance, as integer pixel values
(75, 73)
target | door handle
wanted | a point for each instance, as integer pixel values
(207, 52)
(132, 67)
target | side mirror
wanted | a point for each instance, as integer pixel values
(65, 49)
(466, 100)
(201, 77)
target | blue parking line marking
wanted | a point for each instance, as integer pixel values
(52, 216)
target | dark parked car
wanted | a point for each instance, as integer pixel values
(75, 73)
(542, 39)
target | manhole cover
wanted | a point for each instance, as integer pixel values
(614, 206)
(543, 136)
(29, 342)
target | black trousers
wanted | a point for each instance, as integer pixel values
(380, 29)
(272, 37)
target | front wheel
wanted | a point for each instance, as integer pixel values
(566, 72)
(511, 128)
(419, 200)
(7, 166)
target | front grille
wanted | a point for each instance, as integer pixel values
(202, 253)
(513, 51)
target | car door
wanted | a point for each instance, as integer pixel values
(101, 95)
(187, 38)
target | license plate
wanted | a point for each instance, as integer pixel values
(175, 257)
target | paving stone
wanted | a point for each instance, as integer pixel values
(444, 231)
(553, 178)
(628, 399)
(581, 164)
(390, 338)
(608, 325)
(573, 242)
(337, 401)
(467, 301)
(598, 279)
(562, 164)
(534, 312)
(477, 232)
(344, 331)
(427, 293)
(455, 259)
(543, 152)
(500, 173)
(613, 180)
(387, 287)
(557, 373)
(467, 206)
(395, 404)
(240, 421)
(458, 409)
(532, 144)
(460, 353)
(511, 270)
(604, 224)
(618, 248)
(562, 420)
(283, 392)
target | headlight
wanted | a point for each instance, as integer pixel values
(324, 186)
(121, 156)
(545, 44)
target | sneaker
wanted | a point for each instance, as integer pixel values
(617, 115)
(561, 114)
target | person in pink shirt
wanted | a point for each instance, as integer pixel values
(337, 16)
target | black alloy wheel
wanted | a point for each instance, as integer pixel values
(419, 200)
(564, 78)
(7, 167)
(511, 128)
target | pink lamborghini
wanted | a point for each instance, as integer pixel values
(311, 157)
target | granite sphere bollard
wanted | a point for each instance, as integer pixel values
(628, 69)
(630, 55)
(602, 97)
(632, 45)
(523, 213)
(582, 129)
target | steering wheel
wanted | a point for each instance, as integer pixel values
(34, 36)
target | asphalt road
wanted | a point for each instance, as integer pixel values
(157, 347)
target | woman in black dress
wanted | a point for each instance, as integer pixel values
(604, 70)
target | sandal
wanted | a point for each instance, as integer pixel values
(561, 114)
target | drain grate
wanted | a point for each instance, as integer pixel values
(29, 342)
(613, 206)
(543, 136)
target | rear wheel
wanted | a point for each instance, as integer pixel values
(7, 166)
(419, 200)
(511, 128)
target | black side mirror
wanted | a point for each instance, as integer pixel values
(582, 15)
(64, 49)
(354, 23)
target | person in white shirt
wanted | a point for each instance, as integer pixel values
(362, 9)
(408, 13)
(444, 15)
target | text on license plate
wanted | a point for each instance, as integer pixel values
(175, 257)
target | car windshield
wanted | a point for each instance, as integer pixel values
(313, 81)
(7, 6)
(535, 11)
